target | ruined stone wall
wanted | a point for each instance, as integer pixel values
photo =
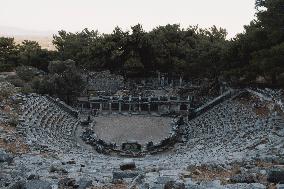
(214, 102)
(104, 81)
(134, 105)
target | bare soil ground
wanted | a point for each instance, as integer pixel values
(17, 145)
(120, 128)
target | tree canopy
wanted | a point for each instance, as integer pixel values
(191, 52)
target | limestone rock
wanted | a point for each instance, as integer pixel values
(18, 185)
(31, 184)
(33, 177)
(57, 167)
(276, 176)
(127, 164)
(4, 157)
(84, 183)
(67, 183)
(174, 185)
(124, 174)
(37, 184)
(243, 178)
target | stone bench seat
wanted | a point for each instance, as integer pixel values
(45, 123)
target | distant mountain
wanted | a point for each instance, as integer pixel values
(14, 31)
(44, 41)
(44, 38)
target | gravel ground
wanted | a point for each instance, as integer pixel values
(121, 128)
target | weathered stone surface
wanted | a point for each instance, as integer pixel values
(157, 186)
(228, 134)
(32, 177)
(84, 183)
(243, 178)
(127, 164)
(18, 185)
(4, 157)
(124, 174)
(57, 167)
(281, 161)
(31, 184)
(164, 180)
(280, 186)
(276, 176)
(245, 186)
(37, 184)
(67, 183)
(174, 185)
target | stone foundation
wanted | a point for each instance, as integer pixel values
(134, 105)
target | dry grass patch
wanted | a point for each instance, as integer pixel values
(17, 146)
(205, 173)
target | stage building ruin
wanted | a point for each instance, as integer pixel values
(135, 105)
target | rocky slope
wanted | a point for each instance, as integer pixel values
(236, 144)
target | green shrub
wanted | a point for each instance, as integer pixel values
(27, 89)
(6, 89)
(27, 73)
(6, 67)
(15, 80)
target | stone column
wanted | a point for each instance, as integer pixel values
(180, 81)
(158, 104)
(185, 118)
(119, 106)
(159, 78)
(149, 108)
(208, 130)
(163, 81)
(91, 108)
(139, 104)
(129, 108)
(139, 107)
(101, 106)
(109, 107)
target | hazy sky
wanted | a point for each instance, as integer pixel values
(104, 15)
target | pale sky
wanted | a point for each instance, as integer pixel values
(104, 15)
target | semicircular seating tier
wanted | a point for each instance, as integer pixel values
(46, 125)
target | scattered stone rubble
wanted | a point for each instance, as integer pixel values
(235, 144)
(103, 81)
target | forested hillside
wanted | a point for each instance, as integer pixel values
(257, 54)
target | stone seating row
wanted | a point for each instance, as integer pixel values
(224, 118)
(45, 124)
